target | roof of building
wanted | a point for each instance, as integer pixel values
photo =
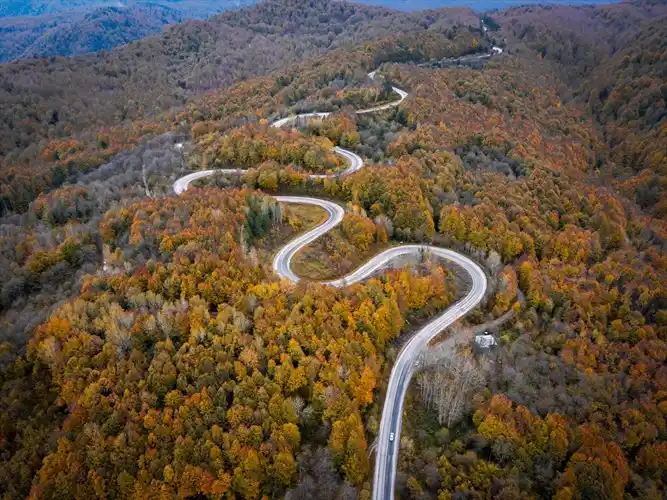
(485, 340)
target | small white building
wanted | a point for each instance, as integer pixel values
(484, 343)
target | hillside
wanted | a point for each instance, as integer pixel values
(627, 96)
(578, 38)
(610, 60)
(151, 347)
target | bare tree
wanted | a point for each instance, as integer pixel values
(447, 387)
(143, 177)
(494, 261)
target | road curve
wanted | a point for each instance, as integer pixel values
(283, 259)
(289, 119)
(399, 380)
(401, 373)
(182, 184)
(354, 160)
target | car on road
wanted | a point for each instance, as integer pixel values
(391, 436)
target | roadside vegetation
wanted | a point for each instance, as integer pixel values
(342, 249)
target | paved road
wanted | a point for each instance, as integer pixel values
(399, 380)
(305, 116)
(462, 60)
(354, 160)
(182, 184)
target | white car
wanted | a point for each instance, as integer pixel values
(391, 436)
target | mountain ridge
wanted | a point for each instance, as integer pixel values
(82, 27)
(67, 35)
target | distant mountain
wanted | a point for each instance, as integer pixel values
(476, 5)
(65, 28)
(190, 8)
(12, 8)
(61, 34)
(41, 28)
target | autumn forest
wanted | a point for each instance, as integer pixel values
(149, 350)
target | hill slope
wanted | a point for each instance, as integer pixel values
(627, 96)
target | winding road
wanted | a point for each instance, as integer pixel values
(305, 116)
(404, 366)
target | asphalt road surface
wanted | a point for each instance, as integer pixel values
(404, 366)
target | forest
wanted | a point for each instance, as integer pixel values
(148, 349)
